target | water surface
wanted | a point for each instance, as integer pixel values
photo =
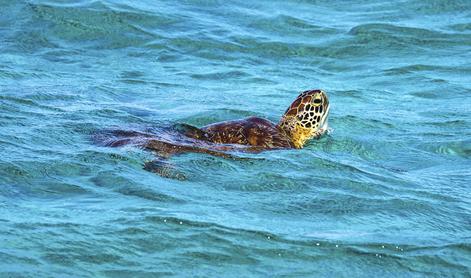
(386, 194)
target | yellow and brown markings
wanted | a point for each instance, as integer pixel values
(305, 116)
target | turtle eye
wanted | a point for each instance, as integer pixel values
(317, 101)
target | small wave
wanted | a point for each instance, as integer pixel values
(285, 24)
(389, 35)
(461, 27)
(122, 26)
(128, 187)
(427, 68)
(228, 75)
(438, 7)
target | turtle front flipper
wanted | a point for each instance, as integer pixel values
(164, 169)
(166, 149)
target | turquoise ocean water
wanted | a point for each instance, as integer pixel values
(386, 194)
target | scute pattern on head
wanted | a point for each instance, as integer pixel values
(305, 116)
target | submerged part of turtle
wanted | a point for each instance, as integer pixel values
(305, 119)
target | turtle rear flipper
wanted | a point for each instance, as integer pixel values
(164, 169)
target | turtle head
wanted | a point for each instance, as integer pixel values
(306, 117)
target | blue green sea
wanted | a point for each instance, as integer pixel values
(387, 193)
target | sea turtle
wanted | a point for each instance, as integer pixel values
(305, 118)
